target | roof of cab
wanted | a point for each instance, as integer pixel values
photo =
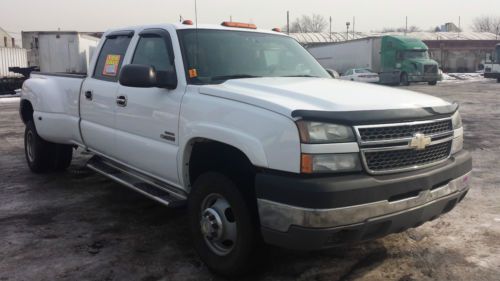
(180, 26)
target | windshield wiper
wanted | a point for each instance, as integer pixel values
(234, 76)
(301, 75)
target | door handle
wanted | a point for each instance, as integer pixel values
(88, 95)
(121, 101)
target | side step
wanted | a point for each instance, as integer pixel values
(152, 188)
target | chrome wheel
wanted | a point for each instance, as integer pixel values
(30, 143)
(218, 224)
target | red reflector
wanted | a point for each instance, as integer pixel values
(239, 24)
(188, 22)
(276, 29)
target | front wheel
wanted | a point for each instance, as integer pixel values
(221, 224)
(432, 83)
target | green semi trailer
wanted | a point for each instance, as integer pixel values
(397, 59)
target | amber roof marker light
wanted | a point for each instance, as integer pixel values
(238, 24)
(188, 22)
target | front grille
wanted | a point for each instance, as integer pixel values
(387, 160)
(404, 131)
(430, 69)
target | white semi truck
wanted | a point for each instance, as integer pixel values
(492, 69)
(246, 128)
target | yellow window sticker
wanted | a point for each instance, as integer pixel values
(111, 65)
(193, 73)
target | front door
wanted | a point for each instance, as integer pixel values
(147, 123)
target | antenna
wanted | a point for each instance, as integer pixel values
(196, 13)
(196, 31)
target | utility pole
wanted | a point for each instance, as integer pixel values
(347, 33)
(459, 26)
(353, 27)
(288, 22)
(406, 28)
(330, 28)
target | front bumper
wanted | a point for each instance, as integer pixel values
(315, 213)
(495, 75)
(424, 78)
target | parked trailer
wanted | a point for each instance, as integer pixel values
(59, 51)
(397, 59)
(11, 57)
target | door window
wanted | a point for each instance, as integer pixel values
(153, 51)
(110, 58)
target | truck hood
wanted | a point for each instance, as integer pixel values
(286, 95)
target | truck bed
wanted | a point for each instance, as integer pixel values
(57, 114)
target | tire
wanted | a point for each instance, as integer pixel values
(432, 83)
(214, 192)
(43, 156)
(404, 79)
(498, 80)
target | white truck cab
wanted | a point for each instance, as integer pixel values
(246, 128)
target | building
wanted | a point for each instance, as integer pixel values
(454, 51)
(6, 40)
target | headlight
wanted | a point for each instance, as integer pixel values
(330, 163)
(315, 132)
(456, 120)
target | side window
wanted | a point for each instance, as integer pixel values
(153, 50)
(110, 58)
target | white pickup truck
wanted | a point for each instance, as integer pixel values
(246, 128)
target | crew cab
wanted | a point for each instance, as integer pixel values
(245, 127)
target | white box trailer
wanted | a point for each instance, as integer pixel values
(12, 57)
(342, 56)
(60, 51)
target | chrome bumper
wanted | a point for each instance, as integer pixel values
(280, 217)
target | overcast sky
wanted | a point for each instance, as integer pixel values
(371, 15)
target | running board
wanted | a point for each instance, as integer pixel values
(152, 188)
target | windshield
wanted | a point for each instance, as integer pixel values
(415, 55)
(363, 71)
(220, 55)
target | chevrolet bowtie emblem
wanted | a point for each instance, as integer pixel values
(419, 141)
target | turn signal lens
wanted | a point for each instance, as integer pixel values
(188, 22)
(329, 163)
(306, 164)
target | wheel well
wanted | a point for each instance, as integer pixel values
(207, 155)
(26, 111)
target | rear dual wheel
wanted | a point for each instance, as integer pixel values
(43, 156)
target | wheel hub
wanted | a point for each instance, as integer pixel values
(211, 224)
(218, 225)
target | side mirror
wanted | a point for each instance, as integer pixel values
(333, 73)
(145, 76)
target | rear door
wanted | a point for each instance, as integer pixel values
(98, 98)
(147, 125)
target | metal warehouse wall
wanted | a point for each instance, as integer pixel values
(461, 55)
(10, 57)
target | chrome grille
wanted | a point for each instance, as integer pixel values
(430, 69)
(405, 158)
(404, 131)
(386, 148)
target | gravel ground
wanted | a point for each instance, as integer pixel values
(80, 226)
